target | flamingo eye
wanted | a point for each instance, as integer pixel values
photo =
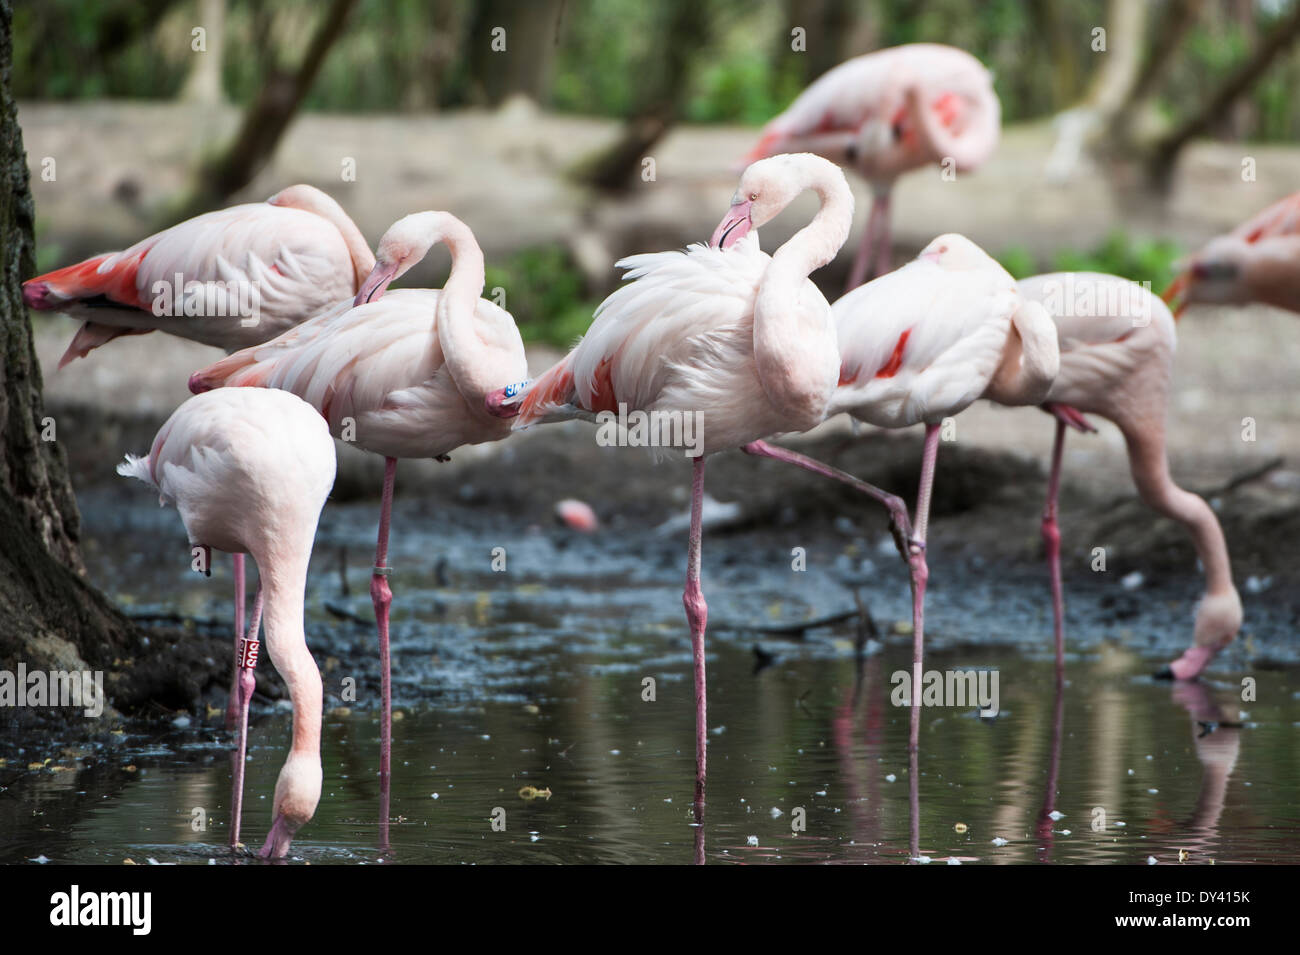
(753, 197)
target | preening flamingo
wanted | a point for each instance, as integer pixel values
(249, 472)
(886, 113)
(404, 375)
(743, 341)
(919, 345)
(230, 278)
(1259, 261)
(1117, 361)
(286, 259)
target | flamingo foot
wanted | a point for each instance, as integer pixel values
(1189, 666)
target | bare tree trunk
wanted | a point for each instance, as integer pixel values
(524, 65)
(49, 617)
(203, 86)
(1164, 156)
(264, 122)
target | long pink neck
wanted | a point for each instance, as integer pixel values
(1150, 467)
(465, 353)
(284, 583)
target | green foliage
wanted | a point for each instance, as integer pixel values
(545, 293)
(1140, 260)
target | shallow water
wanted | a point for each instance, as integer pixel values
(534, 677)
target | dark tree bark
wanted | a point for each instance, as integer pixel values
(526, 63)
(50, 618)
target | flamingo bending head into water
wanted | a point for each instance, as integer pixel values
(403, 374)
(885, 114)
(249, 472)
(741, 340)
(1117, 362)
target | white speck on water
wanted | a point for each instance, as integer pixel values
(923, 860)
(1257, 585)
(1132, 773)
(1151, 860)
(1153, 791)
(775, 813)
(1065, 832)
(40, 860)
(1132, 581)
(820, 792)
(953, 860)
(616, 752)
(751, 841)
(433, 795)
(1121, 824)
(718, 730)
(999, 841)
(890, 778)
(181, 722)
(1149, 756)
(486, 736)
(1056, 815)
(533, 837)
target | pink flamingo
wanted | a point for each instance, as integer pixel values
(742, 341)
(919, 345)
(403, 375)
(1259, 261)
(243, 275)
(1117, 360)
(885, 114)
(246, 274)
(249, 471)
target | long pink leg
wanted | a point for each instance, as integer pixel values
(382, 597)
(232, 705)
(921, 573)
(884, 245)
(697, 615)
(244, 684)
(862, 260)
(1052, 544)
(900, 524)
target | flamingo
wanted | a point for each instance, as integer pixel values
(1117, 360)
(743, 341)
(245, 274)
(403, 375)
(249, 472)
(919, 345)
(286, 259)
(886, 113)
(1259, 261)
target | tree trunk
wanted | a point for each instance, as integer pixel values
(50, 618)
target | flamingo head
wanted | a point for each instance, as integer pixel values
(955, 252)
(297, 792)
(766, 187)
(1215, 274)
(405, 243)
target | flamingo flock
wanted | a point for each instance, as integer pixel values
(742, 341)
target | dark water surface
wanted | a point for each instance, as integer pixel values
(534, 678)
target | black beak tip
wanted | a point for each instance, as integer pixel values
(1164, 673)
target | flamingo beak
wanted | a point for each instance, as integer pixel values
(735, 226)
(376, 283)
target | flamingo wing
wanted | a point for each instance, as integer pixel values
(674, 307)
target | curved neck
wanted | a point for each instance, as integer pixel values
(462, 349)
(363, 260)
(1151, 475)
(284, 581)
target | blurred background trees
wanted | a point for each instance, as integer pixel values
(601, 56)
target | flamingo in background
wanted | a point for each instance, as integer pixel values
(1117, 361)
(742, 340)
(919, 345)
(1259, 261)
(403, 375)
(249, 471)
(886, 113)
(248, 272)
